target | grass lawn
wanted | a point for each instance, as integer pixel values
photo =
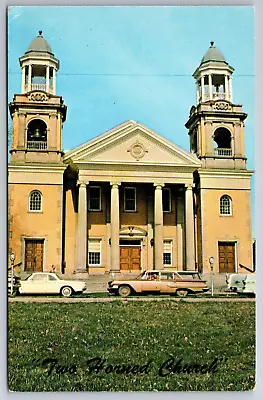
(126, 346)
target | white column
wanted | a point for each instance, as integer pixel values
(81, 239)
(180, 212)
(230, 89)
(202, 88)
(54, 80)
(115, 227)
(158, 226)
(23, 79)
(226, 88)
(47, 78)
(210, 87)
(150, 232)
(189, 227)
(29, 84)
(197, 92)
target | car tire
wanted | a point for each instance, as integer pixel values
(181, 293)
(66, 291)
(124, 291)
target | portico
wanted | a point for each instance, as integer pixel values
(140, 205)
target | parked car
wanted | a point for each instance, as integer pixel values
(50, 283)
(159, 282)
(16, 284)
(234, 281)
(248, 285)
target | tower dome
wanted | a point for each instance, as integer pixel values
(213, 54)
(39, 45)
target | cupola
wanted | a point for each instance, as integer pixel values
(39, 67)
(213, 77)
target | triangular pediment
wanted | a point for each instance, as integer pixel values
(131, 143)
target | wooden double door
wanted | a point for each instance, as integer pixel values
(227, 256)
(130, 258)
(34, 255)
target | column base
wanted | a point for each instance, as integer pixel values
(82, 274)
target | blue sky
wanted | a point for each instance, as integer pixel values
(120, 63)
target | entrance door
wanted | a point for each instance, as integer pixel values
(227, 262)
(34, 251)
(130, 258)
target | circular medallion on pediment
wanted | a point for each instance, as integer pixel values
(137, 150)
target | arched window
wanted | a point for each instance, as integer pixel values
(225, 205)
(35, 201)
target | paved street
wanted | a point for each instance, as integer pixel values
(98, 284)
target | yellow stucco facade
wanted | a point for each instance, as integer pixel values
(128, 200)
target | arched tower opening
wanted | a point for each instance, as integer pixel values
(37, 135)
(222, 141)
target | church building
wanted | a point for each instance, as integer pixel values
(129, 199)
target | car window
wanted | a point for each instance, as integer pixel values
(38, 277)
(190, 275)
(152, 276)
(52, 278)
(166, 275)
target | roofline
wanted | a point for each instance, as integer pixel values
(131, 126)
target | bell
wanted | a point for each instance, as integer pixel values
(36, 133)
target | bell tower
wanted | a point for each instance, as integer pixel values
(216, 124)
(222, 185)
(37, 113)
(36, 169)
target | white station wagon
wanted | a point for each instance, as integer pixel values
(50, 283)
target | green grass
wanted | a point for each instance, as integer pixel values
(128, 333)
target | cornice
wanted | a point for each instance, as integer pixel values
(238, 174)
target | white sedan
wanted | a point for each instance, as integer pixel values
(50, 283)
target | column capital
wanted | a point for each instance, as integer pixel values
(53, 115)
(189, 186)
(115, 184)
(82, 183)
(158, 186)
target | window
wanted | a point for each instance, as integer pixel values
(166, 200)
(94, 198)
(225, 205)
(39, 277)
(94, 248)
(35, 201)
(52, 278)
(167, 252)
(129, 199)
(166, 275)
